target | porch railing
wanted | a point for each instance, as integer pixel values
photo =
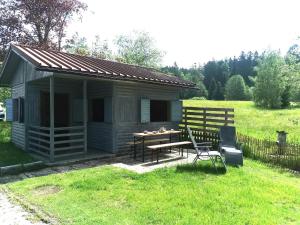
(68, 141)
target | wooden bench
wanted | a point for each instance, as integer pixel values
(168, 145)
(149, 141)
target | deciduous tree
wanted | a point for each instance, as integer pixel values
(40, 23)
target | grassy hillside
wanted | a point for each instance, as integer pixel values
(256, 122)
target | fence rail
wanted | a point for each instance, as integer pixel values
(68, 141)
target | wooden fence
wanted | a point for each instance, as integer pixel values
(268, 151)
(206, 122)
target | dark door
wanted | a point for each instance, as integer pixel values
(61, 109)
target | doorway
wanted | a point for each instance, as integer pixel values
(61, 109)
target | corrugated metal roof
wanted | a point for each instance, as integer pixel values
(48, 60)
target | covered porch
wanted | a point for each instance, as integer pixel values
(58, 121)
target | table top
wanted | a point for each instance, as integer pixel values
(151, 133)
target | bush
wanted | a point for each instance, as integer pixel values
(198, 98)
(236, 89)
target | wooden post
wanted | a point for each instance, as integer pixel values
(52, 118)
(226, 118)
(204, 124)
(85, 114)
(185, 124)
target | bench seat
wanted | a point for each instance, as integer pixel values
(167, 145)
(149, 141)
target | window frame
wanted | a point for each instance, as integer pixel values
(168, 111)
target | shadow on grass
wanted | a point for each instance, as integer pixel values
(200, 168)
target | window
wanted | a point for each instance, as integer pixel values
(97, 110)
(18, 109)
(159, 111)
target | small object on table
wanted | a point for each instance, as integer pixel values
(162, 130)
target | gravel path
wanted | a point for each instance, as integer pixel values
(12, 214)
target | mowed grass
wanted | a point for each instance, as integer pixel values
(253, 194)
(9, 153)
(258, 122)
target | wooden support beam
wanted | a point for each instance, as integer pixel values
(52, 118)
(85, 114)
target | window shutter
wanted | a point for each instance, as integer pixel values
(108, 109)
(176, 111)
(21, 110)
(145, 110)
(9, 109)
(77, 110)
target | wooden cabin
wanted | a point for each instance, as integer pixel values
(65, 105)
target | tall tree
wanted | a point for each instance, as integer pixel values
(269, 85)
(36, 22)
(138, 48)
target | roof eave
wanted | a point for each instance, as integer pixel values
(97, 75)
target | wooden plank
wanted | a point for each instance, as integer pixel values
(69, 141)
(39, 133)
(209, 120)
(149, 141)
(209, 109)
(38, 152)
(52, 118)
(69, 148)
(173, 144)
(39, 139)
(210, 114)
(85, 119)
(69, 134)
(204, 125)
(38, 146)
(69, 128)
(40, 128)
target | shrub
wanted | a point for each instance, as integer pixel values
(236, 89)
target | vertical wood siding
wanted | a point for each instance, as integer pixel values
(18, 90)
(100, 135)
(127, 110)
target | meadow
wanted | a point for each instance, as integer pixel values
(257, 122)
(186, 194)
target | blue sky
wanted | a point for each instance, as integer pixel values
(192, 31)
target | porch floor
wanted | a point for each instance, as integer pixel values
(92, 154)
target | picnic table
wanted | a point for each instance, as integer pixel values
(142, 136)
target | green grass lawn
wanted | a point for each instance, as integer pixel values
(9, 153)
(253, 194)
(257, 122)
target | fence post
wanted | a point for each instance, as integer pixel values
(185, 123)
(204, 124)
(226, 117)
